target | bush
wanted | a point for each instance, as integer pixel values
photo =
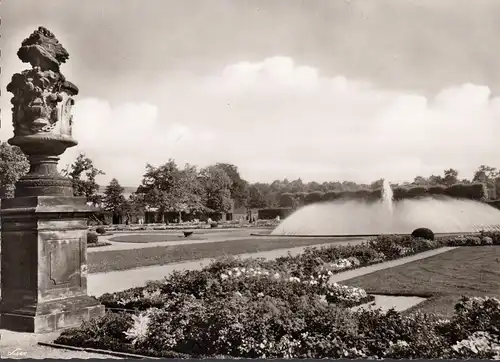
(436, 190)
(305, 327)
(423, 233)
(474, 192)
(271, 214)
(213, 225)
(92, 237)
(314, 197)
(100, 230)
(486, 240)
(493, 235)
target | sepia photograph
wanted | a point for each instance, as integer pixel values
(250, 179)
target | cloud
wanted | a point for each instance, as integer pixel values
(277, 119)
(121, 139)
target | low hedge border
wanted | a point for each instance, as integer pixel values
(98, 244)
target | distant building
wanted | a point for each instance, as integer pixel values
(108, 217)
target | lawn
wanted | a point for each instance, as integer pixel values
(109, 260)
(153, 238)
(473, 271)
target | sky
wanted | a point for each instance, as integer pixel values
(327, 90)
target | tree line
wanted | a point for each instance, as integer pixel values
(215, 188)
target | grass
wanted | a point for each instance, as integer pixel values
(444, 278)
(153, 238)
(109, 260)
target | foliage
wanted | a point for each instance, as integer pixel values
(424, 233)
(187, 193)
(216, 184)
(239, 187)
(113, 197)
(157, 186)
(270, 214)
(286, 200)
(100, 230)
(289, 325)
(83, 174)
(13, 165)
(92, 237)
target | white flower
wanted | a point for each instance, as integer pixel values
(260, 294)
(223, 276)
(140, 327)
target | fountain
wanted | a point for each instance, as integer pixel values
(387, 197)
(356, 217)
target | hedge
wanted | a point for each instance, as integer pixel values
(476, 191)
(269, 214)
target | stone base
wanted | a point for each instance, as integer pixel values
(50, 316)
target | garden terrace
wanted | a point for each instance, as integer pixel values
(286, 308)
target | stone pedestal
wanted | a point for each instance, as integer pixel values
(43, 264)
(44, 228)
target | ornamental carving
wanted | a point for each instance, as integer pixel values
(42, 96)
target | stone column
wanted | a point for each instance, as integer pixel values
(44, 228)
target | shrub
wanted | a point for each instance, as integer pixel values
(314, 197)
(423, 233)
(100, 230)
(494, 235)
(213, 225)
(286, 200)
(304, 327)
(331, 196)
(399, 193)
(486, 240)
(271, 214)
(391, 246)
(92, 237)
(436, 190)
(475, 191)
(416, 192)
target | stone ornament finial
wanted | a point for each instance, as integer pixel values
(42, 96)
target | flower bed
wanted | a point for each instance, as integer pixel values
(285, 308)
(305, 327)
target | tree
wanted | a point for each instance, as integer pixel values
(239, 187)
(157, 187)
(114, 200)
(13, 165)
(187, 192)
(217, 189)
(487, 175)
(450, 177)
(134, 204)
(83, 174)
(257, 196)
(286, 200)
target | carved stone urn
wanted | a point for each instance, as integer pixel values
(44, 227)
